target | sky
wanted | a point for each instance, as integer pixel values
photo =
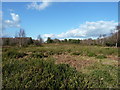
(77, 20)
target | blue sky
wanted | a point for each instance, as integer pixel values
(60, 19)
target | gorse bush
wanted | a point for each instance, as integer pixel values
(38, 55)
(76, 53)
(101, 56)
(90, 54)
(100, 78)
(15, 54)
(40, 74)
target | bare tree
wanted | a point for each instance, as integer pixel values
(104, 35)
(111, 32)
(40, 40)
(22, 33)
(118, 36)
(100, 36)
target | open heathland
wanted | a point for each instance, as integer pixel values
(60, 66)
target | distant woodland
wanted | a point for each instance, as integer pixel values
(103, 40)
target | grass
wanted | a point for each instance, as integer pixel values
(60, 66)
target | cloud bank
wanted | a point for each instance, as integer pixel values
(36, 6)
(15, 22)
(86, 30)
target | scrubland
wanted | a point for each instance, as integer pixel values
(60, 66)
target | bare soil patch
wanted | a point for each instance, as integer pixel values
(72, 61)
(113, 57)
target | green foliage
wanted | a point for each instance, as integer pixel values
(100, 79)
(65, 40)
(38, 68)
(30, 41)
(91, 54)
(102, 76)
(110, 43)
(40, 74)
(49, 40)
(76, 53)
(101, 56)
(118, 52)
(74, 41)
(38, 55)
(14, 54)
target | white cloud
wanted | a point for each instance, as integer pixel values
(48, 35)
(15, 22)
(88, 30)
(45, 36)
(36, 6)
(72, 33)
(15, 17)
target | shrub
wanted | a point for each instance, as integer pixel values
(69, 50)
(100, 79)
(38, 55)
(41, 74)
(90, 54)
(76, 53)
(110, 43)
(14, 54)
(101, 56)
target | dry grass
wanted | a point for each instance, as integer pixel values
(81, 62)
(73, 61)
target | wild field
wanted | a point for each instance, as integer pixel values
(60, 66)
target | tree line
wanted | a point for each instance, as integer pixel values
(103, 40)
(21, 40)
(75, 41)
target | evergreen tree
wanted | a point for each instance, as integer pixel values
(49, 40)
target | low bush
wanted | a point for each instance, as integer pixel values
(101, 56)
(14, 54)
(41, 74)
(36, 71)
(38, 55)
(75, 53)
(90, 54)
(100, 79)
(69, 50)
